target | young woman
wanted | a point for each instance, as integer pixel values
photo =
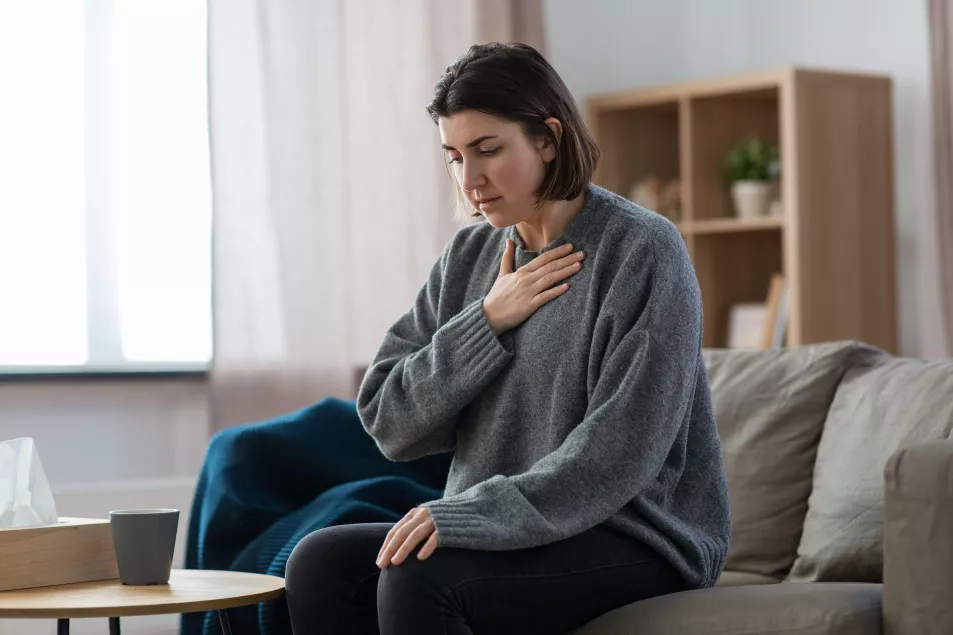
(556, 350)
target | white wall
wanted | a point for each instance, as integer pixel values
(607, 45)
(91, 431)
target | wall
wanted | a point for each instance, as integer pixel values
(609, 45)
(91, 430)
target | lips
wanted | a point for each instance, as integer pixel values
(487, 201)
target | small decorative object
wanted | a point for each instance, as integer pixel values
(753, 168)
(664, 197)
(746, 325)
(645, 192)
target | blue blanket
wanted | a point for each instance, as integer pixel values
(265, 486)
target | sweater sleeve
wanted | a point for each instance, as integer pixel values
(641, 400)
(424, 373)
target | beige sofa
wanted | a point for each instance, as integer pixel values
(840, 473)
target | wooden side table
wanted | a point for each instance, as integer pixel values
(188, 591)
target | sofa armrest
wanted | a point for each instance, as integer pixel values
(918, 540)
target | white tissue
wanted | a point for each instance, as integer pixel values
(25, 496)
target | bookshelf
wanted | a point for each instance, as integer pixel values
(833, 241)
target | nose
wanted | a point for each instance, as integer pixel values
(471, 176)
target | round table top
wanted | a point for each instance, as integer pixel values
(188, 591)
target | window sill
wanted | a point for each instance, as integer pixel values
(119, 372)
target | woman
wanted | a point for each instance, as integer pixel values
(587, 471)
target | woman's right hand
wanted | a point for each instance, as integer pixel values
(516, 295)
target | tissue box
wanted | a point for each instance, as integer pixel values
(74, 550)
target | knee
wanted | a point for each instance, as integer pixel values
(314, 554)
(436, 573)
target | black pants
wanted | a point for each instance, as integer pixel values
(334, 586)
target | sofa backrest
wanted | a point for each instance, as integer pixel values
(880, 406)
(770, 408)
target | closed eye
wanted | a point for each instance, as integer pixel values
(485, 153)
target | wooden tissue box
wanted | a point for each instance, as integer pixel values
(75, 550)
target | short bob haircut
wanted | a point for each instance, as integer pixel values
(514, 82)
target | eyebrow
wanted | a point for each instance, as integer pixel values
(475, 142)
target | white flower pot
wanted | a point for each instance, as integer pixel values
(751, 198)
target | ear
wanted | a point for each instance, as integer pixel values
(547, 149)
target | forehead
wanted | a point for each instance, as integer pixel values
(467, 125)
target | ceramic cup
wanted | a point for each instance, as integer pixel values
(144, 540)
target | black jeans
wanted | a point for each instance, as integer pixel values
(334, 587)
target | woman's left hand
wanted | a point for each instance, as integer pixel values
(410, 531)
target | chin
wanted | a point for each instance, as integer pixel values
(495, 219)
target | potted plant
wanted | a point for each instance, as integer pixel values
(753, 167)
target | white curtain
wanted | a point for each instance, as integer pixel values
(941, 59)
(331, 201)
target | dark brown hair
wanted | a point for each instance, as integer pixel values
(514, 82)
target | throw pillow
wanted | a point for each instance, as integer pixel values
(770, 407)
(878, 408)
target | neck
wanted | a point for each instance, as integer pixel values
(548, 222)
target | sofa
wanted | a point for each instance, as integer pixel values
(839, 460)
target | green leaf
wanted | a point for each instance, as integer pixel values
(752, 158)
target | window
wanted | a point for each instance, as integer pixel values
(105, 195)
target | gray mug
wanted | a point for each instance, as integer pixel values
(144, 540)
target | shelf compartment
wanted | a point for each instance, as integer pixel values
(637, 142)
(718, 124)
(733, 268)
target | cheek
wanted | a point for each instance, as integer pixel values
(517, 176)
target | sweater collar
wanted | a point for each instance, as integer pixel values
(576, 232)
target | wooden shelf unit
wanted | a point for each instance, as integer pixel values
(834, 240)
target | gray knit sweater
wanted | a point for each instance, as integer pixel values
(594, 410)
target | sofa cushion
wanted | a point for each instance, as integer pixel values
(802, 609)
(878, 408)
(770, 408)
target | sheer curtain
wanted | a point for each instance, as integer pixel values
(330, 198)
(941, 58)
